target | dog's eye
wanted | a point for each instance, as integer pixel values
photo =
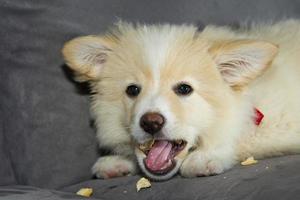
(133, 90)
(183, 89)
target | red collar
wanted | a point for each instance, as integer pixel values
(258, 117)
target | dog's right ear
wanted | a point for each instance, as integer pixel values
(86, 56)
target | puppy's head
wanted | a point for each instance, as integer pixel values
(165, 86)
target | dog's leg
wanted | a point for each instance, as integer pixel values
(114, 166)
(208, 162)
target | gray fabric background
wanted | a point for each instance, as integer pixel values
(270, 179)
(46, 138)
(19, 192)
(46, 117)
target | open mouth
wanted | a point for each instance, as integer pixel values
(160, 155)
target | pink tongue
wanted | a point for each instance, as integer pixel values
(158, 157)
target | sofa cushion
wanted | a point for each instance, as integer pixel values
(22, 192)
(276, 178)
(48, 138)
(6, 170)
(46, 121)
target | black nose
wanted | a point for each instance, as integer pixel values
(152, 122)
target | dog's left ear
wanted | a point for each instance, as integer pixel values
(241, 61)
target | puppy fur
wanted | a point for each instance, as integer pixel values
(231, 73)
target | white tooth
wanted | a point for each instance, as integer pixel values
(178, 142)
(169, 162)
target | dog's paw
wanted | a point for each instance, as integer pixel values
(113, 166)
(200, 164)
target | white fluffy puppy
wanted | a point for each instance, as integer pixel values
(173, 99)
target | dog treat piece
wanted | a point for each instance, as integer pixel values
(86, 192)
(249, 161)
(142, 183)
(147, 145)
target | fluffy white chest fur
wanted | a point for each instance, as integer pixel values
(170, 99)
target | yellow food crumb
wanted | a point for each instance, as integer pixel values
(86, 192)
(142, 183)
(249, 161)
(147, 145)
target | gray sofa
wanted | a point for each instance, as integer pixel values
(47, 139)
